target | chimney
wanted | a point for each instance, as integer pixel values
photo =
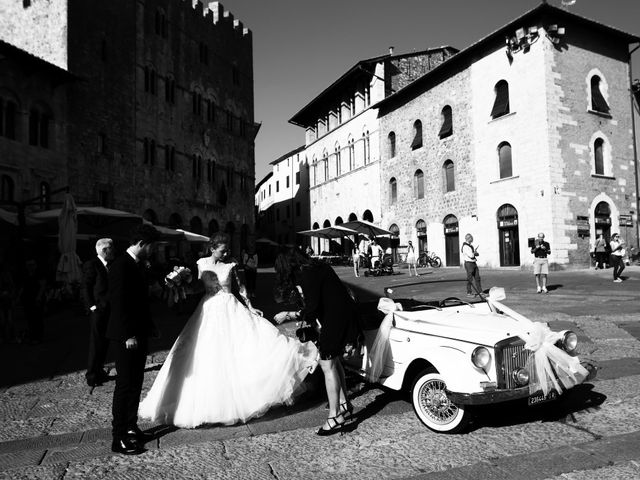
(391, 50)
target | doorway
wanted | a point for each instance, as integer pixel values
(452, 241)
(602, 217)
(508, 234)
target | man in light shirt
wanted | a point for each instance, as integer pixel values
(469, 254)
(617, 255)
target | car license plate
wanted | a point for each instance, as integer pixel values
(539, 397)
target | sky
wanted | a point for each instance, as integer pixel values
(302, 46)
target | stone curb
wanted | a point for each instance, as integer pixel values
(547, 463)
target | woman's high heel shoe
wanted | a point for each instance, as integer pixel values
(334, 426)
(346, 410)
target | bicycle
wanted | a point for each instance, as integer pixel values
(429, 259)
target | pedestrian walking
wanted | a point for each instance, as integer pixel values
(617, 255)
(470, 254)
(250, 261)
(355, 257)
(95, 293)
(130, 326)
(411, 258)
(600, 251)
(541, 251)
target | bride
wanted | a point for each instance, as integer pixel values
(228, 364)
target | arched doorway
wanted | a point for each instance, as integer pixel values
(367, 216)
(175, 220)
(196, 225)
(344, 245)
(602, 217)
(213, 227)
(150, 216)
(394, 241)
(451, 241)
(315, 241)
(507, 218)
(421, 231)
(324, 244)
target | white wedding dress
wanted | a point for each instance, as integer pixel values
(227, 365)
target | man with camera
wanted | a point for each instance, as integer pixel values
(541, 251)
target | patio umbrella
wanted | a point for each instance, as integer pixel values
(193, 237)
(366, 228)
(337, 231)
(68, 270)
(95, 221)
(266, 241)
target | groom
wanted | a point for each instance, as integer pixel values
(129, 327)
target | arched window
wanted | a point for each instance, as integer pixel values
(418, 184)
(40, 120)
(8, 109)
(393, 191)
(338, 160)
(352, 217)
(7, 189)
(449, 176)
(213, 226)
(367, 216)
(391, 141)
(394, 229)
(598, 154)
(352, 154)
(45, 196)
(501, 102)
(326, 224)
(417, 135)
(175, 220)
(150, 215)
(338, 221)
(325, 162)
(195, 225)
(366, 141)
(598, 103)
(447, 124)
(316, 226)
(504, 158)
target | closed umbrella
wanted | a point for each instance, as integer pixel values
(68, 270)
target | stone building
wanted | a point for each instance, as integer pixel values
(528, 130)
(161, 117)
(282, 199)
(33, 128)
(342, 136)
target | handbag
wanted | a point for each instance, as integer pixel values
(307, 333)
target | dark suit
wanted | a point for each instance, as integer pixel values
(95, 291)
(130, 317)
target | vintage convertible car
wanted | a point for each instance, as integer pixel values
(453, 354)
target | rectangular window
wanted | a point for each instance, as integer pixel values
(297, 178)
(287, 181)
(277, 186)
(269, 190)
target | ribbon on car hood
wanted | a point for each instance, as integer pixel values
(380, 348)
(549, 367)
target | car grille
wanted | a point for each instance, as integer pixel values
(510, 355)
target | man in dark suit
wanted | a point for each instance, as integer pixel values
(129, 327)
(95, 292)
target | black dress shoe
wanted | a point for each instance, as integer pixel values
(126, 446)
(93, 382)
(139, 435)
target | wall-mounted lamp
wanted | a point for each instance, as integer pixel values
(554, 32)
(522, 40)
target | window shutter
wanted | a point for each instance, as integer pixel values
(501, 104)
(417, 140)
(598, 103)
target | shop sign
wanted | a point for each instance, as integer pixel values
(625, 220)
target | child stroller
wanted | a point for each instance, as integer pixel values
(384, 267)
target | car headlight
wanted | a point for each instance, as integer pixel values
(481, 357)
(570, 341)
(521, 376)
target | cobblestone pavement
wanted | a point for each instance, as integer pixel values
(55, 427)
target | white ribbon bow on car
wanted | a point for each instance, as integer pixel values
(380, 348)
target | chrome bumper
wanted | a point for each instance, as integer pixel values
(490, 396)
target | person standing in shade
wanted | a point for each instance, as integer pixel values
(355, 257)
(130, 326)
(541, 251)
(95, 293)
(470, 254)
(617, 255)
(600, 251)
(250, 261)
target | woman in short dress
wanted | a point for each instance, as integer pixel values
(411, 258)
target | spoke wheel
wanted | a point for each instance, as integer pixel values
(433, 407)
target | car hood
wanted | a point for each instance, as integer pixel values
(480, 327)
